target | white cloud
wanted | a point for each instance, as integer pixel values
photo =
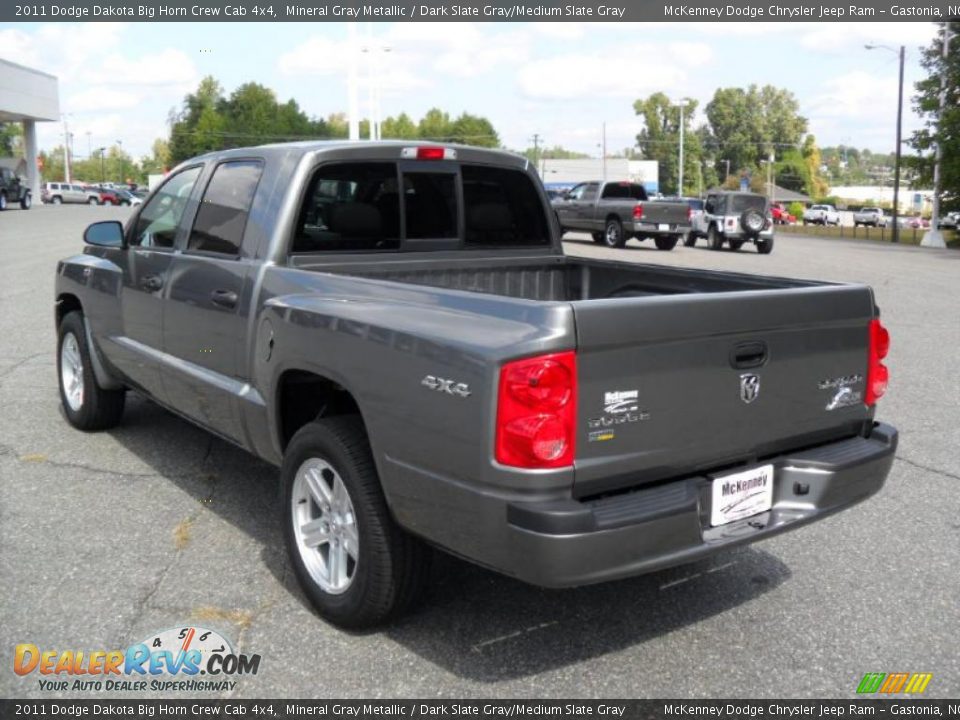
(827, 37)
(857, 95)
(167, 67)
(627, 73)
(101, 99)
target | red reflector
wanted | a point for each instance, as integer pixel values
(878, 375)
(536, 412)
(637, 211)
(429, 153)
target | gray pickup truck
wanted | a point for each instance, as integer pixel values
(396, 327)
(614, 212)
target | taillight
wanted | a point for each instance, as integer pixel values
(689, 214)
(428, 152)
(637, 211)
(536, 411)
(877, 373)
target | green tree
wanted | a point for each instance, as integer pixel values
(944, 130)
(185, 141)
(470, 129)
(11, 142)
(401, 127)
(660, 140)
(435, 125)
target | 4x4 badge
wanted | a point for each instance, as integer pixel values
(749, 388)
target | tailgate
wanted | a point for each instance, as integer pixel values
(670, 213)
(678, 384)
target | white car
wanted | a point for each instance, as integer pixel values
(870, 216)
(821, 215)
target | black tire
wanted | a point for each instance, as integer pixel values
(56, 200)
(597, 237)
(765, 247)
(735, 245)
(666, 243)
(752, 221)
(690, 239)
(714, 239)
(26, 202)
(392, 566)
(99, 409)
(3, 201)
(613, 236)
(93, 201)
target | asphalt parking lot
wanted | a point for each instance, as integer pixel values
(107, 538)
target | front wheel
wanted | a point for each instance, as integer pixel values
(86, 405)
(57, 200)
(3, 201)
(666, 243)
(714, 239)
(690, 239)
(355, 564)
(93, 201)
(765, 247)
(26, 201)
(613, 236)
(735, 245)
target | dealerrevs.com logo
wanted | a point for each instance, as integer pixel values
(185, 659)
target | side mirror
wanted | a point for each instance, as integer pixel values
(108, 233)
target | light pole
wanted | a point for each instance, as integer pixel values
(680, 104)
(101, 151)
(895, 232)
(727, 174)
(66, 147)
(122, 168)
(933, 237)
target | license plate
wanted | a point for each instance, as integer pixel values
(741, 494)
(663, 226)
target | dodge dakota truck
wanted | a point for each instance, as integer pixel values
(614, 212)
(396, 327)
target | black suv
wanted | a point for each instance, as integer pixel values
(12, 190)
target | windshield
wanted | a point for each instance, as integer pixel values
(739, 203)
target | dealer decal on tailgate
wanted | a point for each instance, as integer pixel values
(741, 494)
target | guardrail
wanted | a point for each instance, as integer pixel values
(908, 236)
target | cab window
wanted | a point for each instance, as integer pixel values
(158, 221)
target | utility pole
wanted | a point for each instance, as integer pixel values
(604, 151)
(353, 122)
(681, 104)
(536, 152)
(727, 174)
(66, 149)
(933, 237)
(895, 232)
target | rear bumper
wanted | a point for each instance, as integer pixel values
(567, 542)
(649, 228)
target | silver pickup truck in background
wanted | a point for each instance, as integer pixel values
(614, 212)
(396, 327)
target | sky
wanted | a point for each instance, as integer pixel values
(562, 81)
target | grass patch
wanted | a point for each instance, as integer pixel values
(908, 236)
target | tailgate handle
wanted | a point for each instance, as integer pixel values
(748, 355)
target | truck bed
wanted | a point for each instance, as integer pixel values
(564, 279)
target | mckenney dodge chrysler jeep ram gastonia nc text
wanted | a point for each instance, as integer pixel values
(396, 326)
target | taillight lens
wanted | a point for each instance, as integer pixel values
(536, 411)
(877, 373)
(689, 214)
(637, 211)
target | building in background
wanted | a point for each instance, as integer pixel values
(911, 200)
(28, 96)
(566, 173)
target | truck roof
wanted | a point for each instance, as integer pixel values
(385, 150)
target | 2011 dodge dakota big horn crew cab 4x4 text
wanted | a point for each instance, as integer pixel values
(396, 326)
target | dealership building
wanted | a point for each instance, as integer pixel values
(28, 96)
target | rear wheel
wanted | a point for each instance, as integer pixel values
(3, 201)
(354, 563)
(86, 405)
(765, 247)
(613, 236)
(735, 244)
(690, 239)
(93, 201)
(26, 201)
(714, 239)
(57, 200)
(666, 243)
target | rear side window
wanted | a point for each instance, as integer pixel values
(352, 207)
(502, 208)
(626, 191)
(222, 217)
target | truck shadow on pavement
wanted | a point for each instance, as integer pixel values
(472, 622)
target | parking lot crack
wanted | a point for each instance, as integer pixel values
(927, 468)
